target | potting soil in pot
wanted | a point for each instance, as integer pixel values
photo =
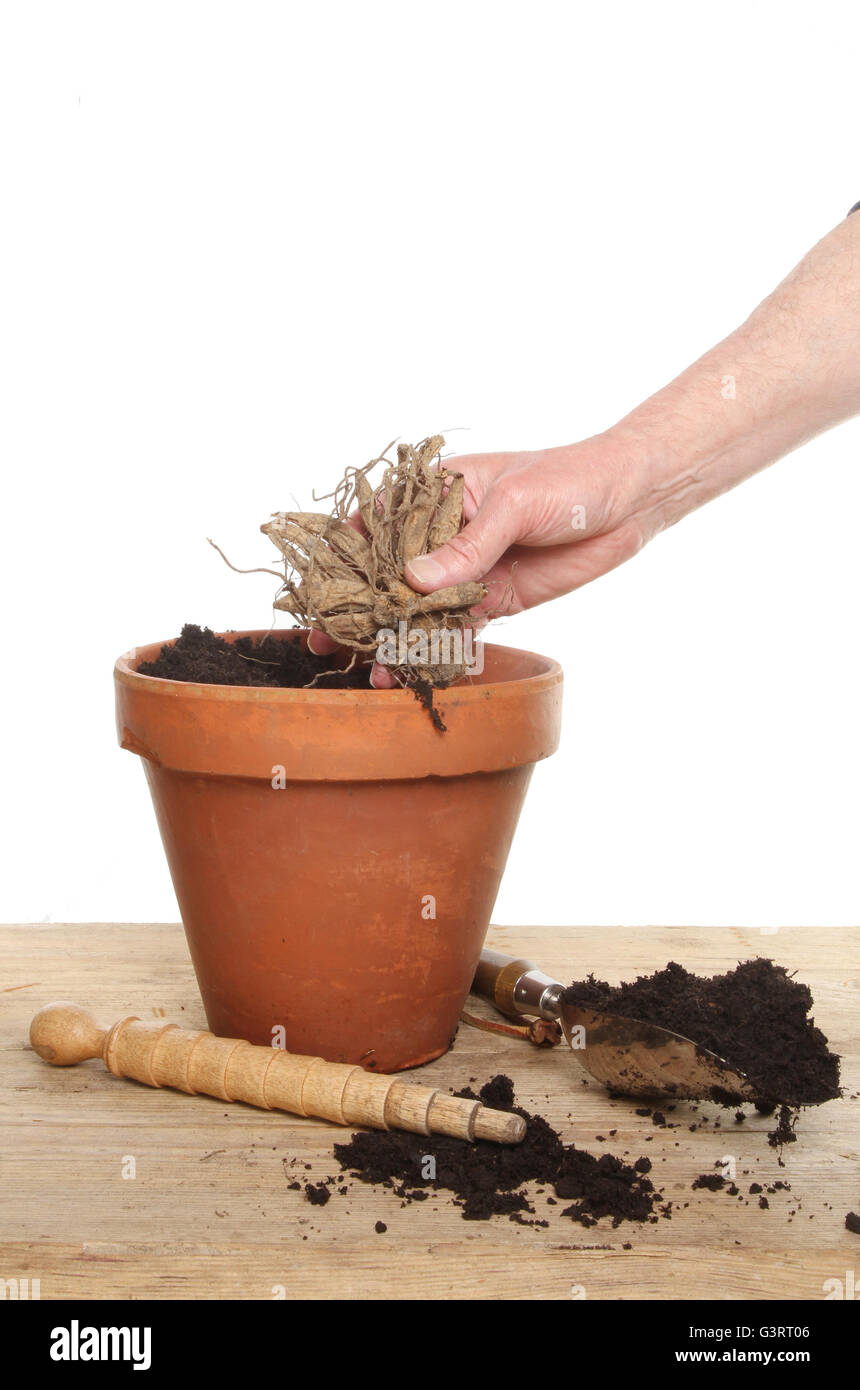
(199, 655)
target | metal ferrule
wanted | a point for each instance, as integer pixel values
(536, 993)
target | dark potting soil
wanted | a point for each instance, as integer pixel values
(489, 1179)
(755, 1017)
(786, 1121)
(317, 1193)
(852, 1223)
(713, 1182)
(199, 655)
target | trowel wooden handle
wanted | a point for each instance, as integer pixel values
(516, 986)
(496, 978)
(163, 1054)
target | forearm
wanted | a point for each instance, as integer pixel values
(542, 523)
(788, 373)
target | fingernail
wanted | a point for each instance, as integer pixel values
(427, 570)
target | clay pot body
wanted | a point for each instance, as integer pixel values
(335, 857)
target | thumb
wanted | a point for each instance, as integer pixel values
(467, 557)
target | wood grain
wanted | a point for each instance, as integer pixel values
(209, 1213)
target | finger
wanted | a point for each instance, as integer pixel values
(529, 575)
(320, 644)
(354, 520)
(381, 678)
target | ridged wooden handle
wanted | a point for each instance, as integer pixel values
(163, 1054)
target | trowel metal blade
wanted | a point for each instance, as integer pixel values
(640, 1059)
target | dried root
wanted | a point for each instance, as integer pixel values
(351, 586)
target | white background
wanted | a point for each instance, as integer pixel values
(247, 244)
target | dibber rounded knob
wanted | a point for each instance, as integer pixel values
(64, 1033)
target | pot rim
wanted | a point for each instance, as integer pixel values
(339, 735)
(549, 671)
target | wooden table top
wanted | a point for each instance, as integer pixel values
(209, 1213)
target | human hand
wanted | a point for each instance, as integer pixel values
(538, 524)
(542, 523)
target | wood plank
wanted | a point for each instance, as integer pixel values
(209, 1213)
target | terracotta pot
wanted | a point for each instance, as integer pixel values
(349, 906)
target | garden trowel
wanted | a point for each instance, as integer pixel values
(628, 1056)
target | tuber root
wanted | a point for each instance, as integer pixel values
(349, 582)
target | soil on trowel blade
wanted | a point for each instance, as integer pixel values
(199, 655)
(488, 1179)
(755, 1017)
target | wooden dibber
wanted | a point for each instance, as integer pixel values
(163, 1054)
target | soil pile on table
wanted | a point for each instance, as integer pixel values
(755, 1017)
(199, 655)
(489, 1179)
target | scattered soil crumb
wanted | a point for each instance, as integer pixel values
(714, 1182)
(785, 1126)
